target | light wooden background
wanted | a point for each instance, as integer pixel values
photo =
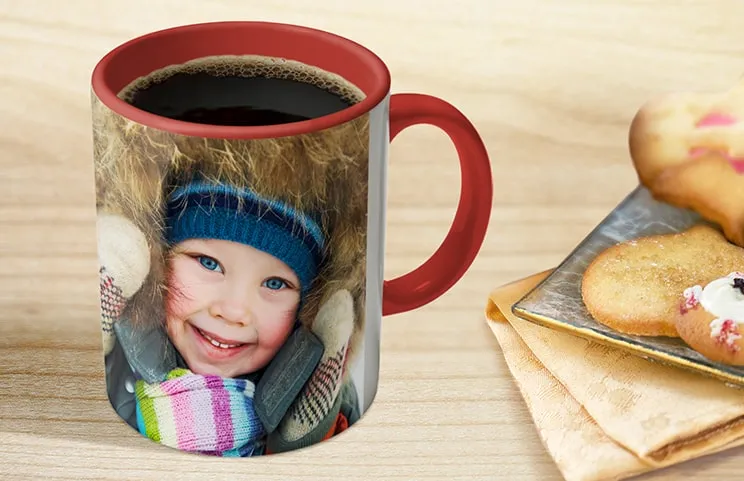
(550, 85)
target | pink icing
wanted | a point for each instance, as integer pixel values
(719, 119)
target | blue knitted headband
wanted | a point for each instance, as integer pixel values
(219, 211)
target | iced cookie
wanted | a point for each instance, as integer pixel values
(688, 150)
(710, 318)
(634, 287)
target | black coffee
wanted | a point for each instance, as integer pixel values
(241, 91)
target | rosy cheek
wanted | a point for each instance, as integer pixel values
(276, 331)
(178, 298)
(175, 306)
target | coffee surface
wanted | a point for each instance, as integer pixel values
(241, 91)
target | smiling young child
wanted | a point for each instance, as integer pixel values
(232, 306)
(238, 269)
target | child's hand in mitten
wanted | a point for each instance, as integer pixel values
(312, 409)
(124, 260)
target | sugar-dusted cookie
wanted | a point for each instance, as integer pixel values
(688, 150)
(634, 287)
(710, 319)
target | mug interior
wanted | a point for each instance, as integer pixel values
(332, 53)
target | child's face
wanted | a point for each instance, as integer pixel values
(244, 299)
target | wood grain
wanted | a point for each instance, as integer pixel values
(551, 86)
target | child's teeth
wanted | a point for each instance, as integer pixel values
(216, 343)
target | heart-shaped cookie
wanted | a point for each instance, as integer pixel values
(688, 150)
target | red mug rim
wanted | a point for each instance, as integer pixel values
(142, 55)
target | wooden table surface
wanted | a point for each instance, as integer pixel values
(551, 86)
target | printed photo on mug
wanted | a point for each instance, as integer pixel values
(240, 190)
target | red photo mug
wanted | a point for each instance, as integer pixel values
(240, 173)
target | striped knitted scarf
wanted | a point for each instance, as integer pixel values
(204, 414)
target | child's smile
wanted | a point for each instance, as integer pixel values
(230, 306)
(220, 342)
(216, 347)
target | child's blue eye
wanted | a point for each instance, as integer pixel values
(209, 263)
(274, 283)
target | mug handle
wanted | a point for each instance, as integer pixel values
(466, 234)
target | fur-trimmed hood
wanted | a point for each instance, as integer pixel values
(136, 168)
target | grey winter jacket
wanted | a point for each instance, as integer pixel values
(148, 354)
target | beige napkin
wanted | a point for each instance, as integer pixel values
(605, 414)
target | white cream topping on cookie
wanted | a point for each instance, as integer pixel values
(722, 299)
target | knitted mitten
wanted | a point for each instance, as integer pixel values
(333, 325)
(124, 262)
(204, 414)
